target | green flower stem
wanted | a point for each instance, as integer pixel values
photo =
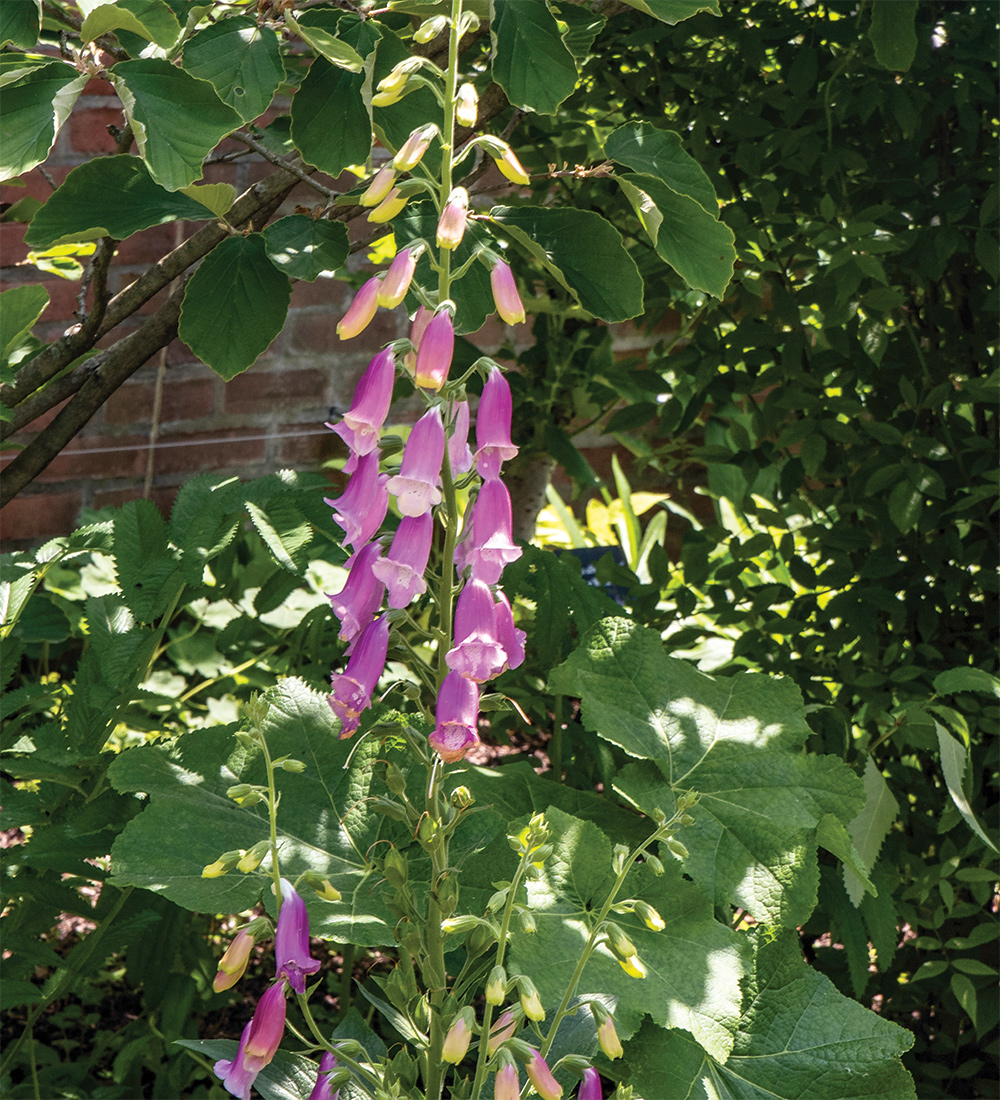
(448, 141)
(272, 814)
(562, 1011)
(361, 1070)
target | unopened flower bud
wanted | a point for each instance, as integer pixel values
(253, 857)
(608, 1038)
(678, 849)
(395, 868)
(502, 1031)
(507, 1085)
(394, 779)
(633, 966)
(686, 819)
(413, 149)
(618, 857)
(401, 72)
(650, 917)
(590, 1088)
(233, 963)
(430, 29)
(547, 1087)
(326, 890)
(462, 798)
(294, 766)
(388, 208)
(622, 946)
(226, 862)
(379, 187)
(655, 864)
(238, 791)
(362, 309)
(530, 1001)
(463, 923)
(496, 986)
(528, 923)
(497, 901)
(451, 226)
(456, 1042)
(466, 105)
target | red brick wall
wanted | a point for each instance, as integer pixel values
(270, 417)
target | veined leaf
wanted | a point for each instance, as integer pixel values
(310, 28)
(870, 828)
(893, 34)
(20, 23)
(34, 108)
(954, 680)
(150, 19)
(108, 197)
(530, 60)
(954, 761)
(660, 153)
(20, 308)
(241, 60)
(305, 248)
(675, 11)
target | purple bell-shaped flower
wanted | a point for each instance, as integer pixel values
(457, 718)
(291, 943)
(402, 569)
(493, 426)
(235, 1077)
(492, 540)
(362, 506)
(351, 690)
(356, 603)
(478, 653)
(266, 1028)
(416, 486)
(362, 423)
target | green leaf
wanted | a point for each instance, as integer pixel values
(530, 60)
(954, 761)
(832, 834)
(215, 197)
(312, 28)
(331, 126)
(694, 964)
(905, 504)
(583, 252)
(147, 572)
(235, 281)
(151, 19)
(733, 740)
(582, 27)
(306, 248)
(869, 829)
(177, 119)
(285, 532)
(20, 308)
(965, 993)
(954, 680)
(109, 197)
(893, 33)
(675, 11)
(20, 23)
(874, 339)
(645, 209)
(660, 153)
(242, 62)
(34, 108)
(323, 823)
(798, 1039)
(695, 244)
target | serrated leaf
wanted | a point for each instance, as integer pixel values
(206, 515)
(869, 829)
(35, 107)
(798, 1039)
(285, 532)
(150, 19)
(583, 251)
(660, 153)
(846, 927)
(306, 248)
(241, 60)
(675, 11)
(147, 572)
(874, 339)
(323, 823)
(695, 244)
(954, 761)
(20, 23)
(236, 281)
(954, 680)
(893, 34)
(109, 197)
(734, 740)
(694, 964)
(177, 119)
(331, 126)
(20, 308)
(530, 60)
(832, 835)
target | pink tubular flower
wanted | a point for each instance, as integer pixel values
(413, 149)
(437, 345)
(507, 1085)
(397, 279)
(266, 1028)
(361, 311)
(501, 1031)
(235, 1078)
(233, 963)
(456, 719)
(323, 1090)
(590, 1087)
(492, 542)
(459, 454)
(508, 634)
(361, 507)
(291, 943)
(388, 208)
(505, 295)
(451, 226)
(356, 603)
(540, 1076)
(402, 569)
(456, 1042)
(379, 187)
(416, 486)
(363, 421)
(511, 167)
(352, 689)
(477, 653)
(493, 426)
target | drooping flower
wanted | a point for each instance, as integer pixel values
(466, 105)
(456, 1042)
(233, 963)
(633, 966)
(361, 507)
(362, 423)
(459, 452)
(608, 1038)
(361, 311)
(507, 1085)
(477, 652)
(493, 426)
(388, 208)
(436, 347)
(323, 1089)
(351, 690)
(413, 149)
(492, 541)
(531, 1003)
(379, 187)
(291, 942)
(510, 637)
(505, 295)
(266, 1028)
(430, 29)
(511, 167)
(397, 279)
(416, 486)
(451, 225)
(236, 1079)
(590, 1086)
(547, 1087)
(356, 603)
(402, 569)
(501, 1031)
(457, 718)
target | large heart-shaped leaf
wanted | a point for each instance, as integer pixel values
(530, 60)
(34, 108)
(660, 153)
(241, 60)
